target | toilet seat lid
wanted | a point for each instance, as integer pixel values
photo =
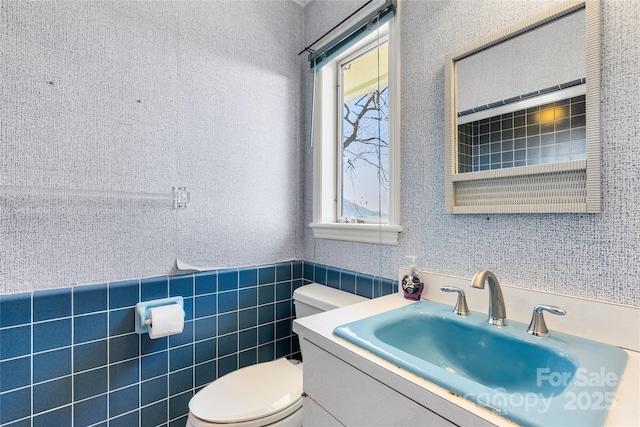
(250, 393)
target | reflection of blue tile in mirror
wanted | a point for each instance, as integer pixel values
(549, 133)
(547, 151)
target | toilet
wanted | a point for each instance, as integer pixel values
(268, 393)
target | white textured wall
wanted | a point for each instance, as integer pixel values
(591, 256)
(142, 96)
(219, 111)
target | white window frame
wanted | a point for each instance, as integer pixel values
(325, 223)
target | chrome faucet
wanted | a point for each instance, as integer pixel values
(497, 312)
(461, 308)
(537, 326)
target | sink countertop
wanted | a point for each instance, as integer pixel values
(319, 330)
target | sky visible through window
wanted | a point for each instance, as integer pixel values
(365, 136)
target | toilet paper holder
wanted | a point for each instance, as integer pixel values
(142, 311)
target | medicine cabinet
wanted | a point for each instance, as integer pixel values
(522, 116)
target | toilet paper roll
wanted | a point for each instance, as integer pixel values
(166, 320)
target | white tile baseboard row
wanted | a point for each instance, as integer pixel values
(606, 322)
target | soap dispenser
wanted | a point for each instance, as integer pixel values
(411, 284)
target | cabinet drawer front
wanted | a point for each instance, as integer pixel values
(316, 416)
(357, 399)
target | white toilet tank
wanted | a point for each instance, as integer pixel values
(315, 298)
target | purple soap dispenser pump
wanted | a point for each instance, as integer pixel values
(411, 284)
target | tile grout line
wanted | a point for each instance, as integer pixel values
(168, 362)
(31, 359)
(73, 375)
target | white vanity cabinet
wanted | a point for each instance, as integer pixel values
(347, 385)
(340, 394)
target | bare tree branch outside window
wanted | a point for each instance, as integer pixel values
(365, 154)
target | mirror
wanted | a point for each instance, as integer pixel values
(522, 116)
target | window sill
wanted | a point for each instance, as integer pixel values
(365, 233)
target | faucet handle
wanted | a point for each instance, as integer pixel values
(537, 326)
(461, 307)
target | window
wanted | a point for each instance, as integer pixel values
(363, 189)
(356, 141)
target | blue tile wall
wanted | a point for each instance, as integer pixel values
(361, 284)
(70, 357)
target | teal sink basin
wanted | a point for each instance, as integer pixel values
(561, 380)
(477, 353)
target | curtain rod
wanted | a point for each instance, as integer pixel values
(308, 48)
